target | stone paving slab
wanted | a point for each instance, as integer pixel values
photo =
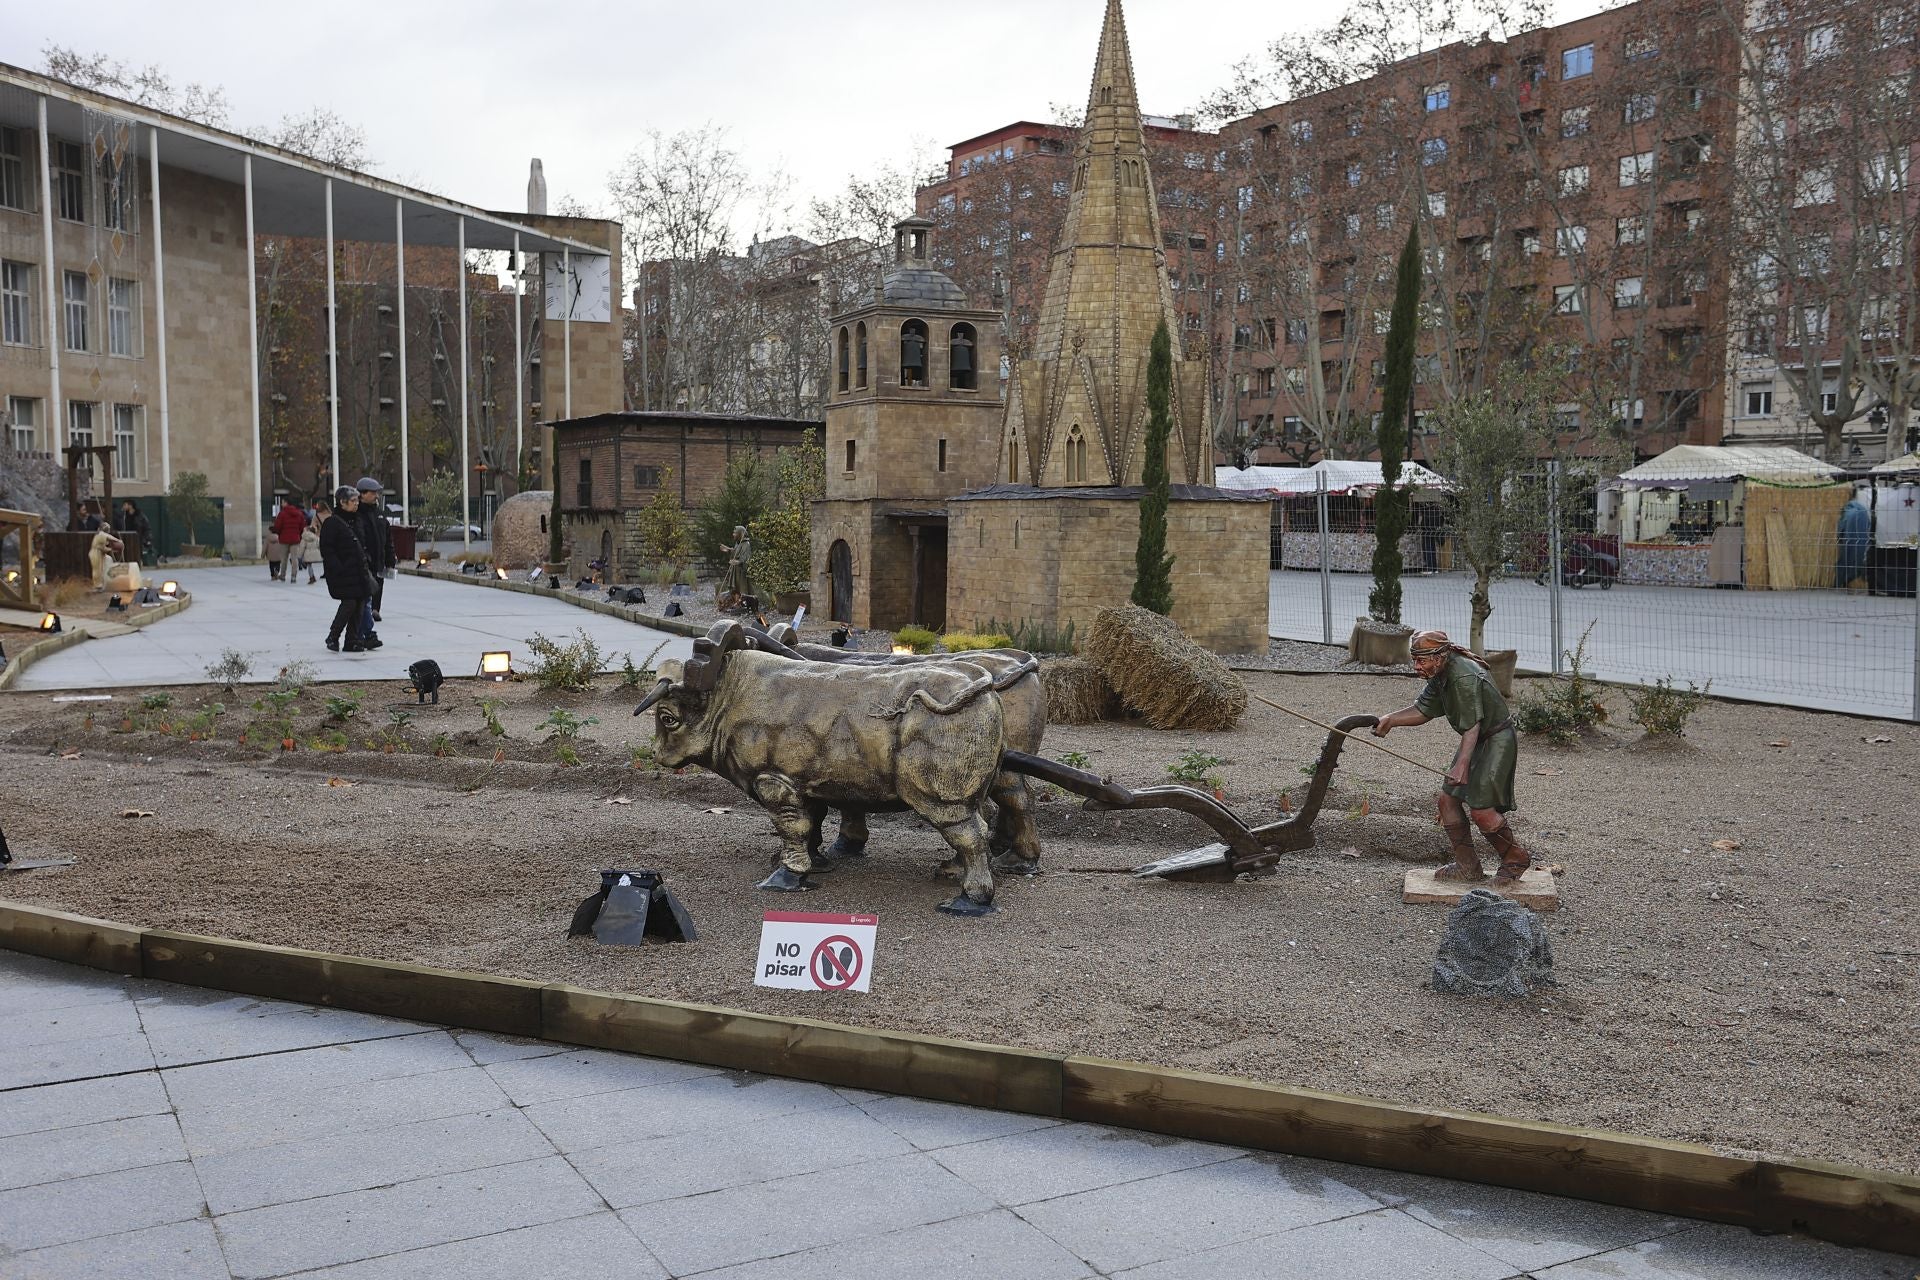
(403, 1158)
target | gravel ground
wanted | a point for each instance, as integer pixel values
(1737, 947)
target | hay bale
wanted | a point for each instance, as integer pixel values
(1077, 693)
(1162, 674)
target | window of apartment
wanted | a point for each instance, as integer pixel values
(80, 416)
(1816, 117)
(1528, 240)
(1060, 188)
(1301, 131)
(1882, 245)
(1759, 399)
(1576, 62)
(23, 423)
(119, 194)
(1814, 186)
(1439, 96)
(1636, 168)
(1879, 174)
(1760, 332)
(1625, 414)
(1244, 198)
(1829, 398)
(1566, 416)
(1823, 41)
(1629, 292)
(1353, 225)
(129, 442)
(1569, 241)
(1300, 186)
(1631, 229)
(74, 291)
(1433, 150)
(1639, 107)
(1356, 174)
(1574, 180)
(123, 317)
(1877, 318)
(1296, 331)
(1683, 287)
(1382, 321)
(70, 181)
(1816, 253)
(1567, 300)
(1533, 123)
(13, 170)
(1640, 47)
(16, 304)
(1575, 121)
(1194, 160)
(646, 477)
(1436, 204)
(1813, 322)
(1383, 216)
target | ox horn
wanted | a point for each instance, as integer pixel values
(659, 691)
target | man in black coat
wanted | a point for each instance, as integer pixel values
(349, 579)
(130, 519)
(376, 536)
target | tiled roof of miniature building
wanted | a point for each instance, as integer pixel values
(907, 286)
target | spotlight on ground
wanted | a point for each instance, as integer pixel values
(422, 562)
(116, 604)
(500, 572)
(497, 665)
(50, 623)
(169, 590)
(427, 679)
(630, 907)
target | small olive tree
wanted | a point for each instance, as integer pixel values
(439, 504)
(187, 502)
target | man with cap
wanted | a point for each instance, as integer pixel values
(349, 580)
(377, 537)
(1478, 791)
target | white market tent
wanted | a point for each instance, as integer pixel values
(1342, 477)
(1906, 462)
(1694, 463)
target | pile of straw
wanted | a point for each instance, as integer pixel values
(1077, 693)
(1159, 672)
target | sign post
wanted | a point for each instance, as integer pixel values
(809, 951)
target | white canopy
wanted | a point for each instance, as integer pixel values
(1342, 477)
(1906, 462)
(1686, 463)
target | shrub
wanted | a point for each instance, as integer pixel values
(1662, 710)
(919, 639)
(565, 724)
(783, 537)
(156, 701)
(964, 641)
(344, 707)
(1570, 705)
(568, 667)
(632, 677)
(1034, 637)
(1196, 769)
(746, 493)
(230, 669)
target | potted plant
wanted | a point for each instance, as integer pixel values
(187, 502)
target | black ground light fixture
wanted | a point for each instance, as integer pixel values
(630, 907)
(839, 637)
(50, 623)
(427, 679)
(672, 610)
(116, 604)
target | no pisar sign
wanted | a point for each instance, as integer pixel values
(807, 951)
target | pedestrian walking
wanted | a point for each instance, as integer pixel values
(289, 524)
(376, 535)
(308, 553)
(349, 580)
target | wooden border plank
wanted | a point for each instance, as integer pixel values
(510, 1006)
(61, 935)
(980, 1075)
(1834, 1202)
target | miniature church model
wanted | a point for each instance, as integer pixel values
(949, 506)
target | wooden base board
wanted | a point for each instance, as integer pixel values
(1536, 889)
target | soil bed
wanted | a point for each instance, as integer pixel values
(1737, 944)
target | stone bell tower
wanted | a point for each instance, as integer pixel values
(913, 417)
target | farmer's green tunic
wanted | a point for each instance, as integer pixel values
(1465, 695)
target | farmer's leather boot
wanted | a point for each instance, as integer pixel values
(1514, 860)
(1465, 866)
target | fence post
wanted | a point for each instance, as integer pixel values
(1554, 561)
(1914, 583)
(1326, 562)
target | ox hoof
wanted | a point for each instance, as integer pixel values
(948, 870)
(1012, 866)
(784, 881)
(845, 848)
(823, 861)
(962, 905)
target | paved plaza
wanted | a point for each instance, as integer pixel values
(274, 623)
(174, 1133)
(1825, 650)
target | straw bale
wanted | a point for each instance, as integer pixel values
(1162, 674)
(1077, 693)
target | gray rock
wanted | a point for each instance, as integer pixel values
(1493, 946)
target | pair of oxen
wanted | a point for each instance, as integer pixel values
(804, 728)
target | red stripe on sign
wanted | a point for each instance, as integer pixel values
(811, 917)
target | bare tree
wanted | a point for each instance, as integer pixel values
(148, 85)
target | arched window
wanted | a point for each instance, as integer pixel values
(1076, 456)
(913, 354)
(841, 360)
(1013, 461)
(963, 358)
(860, 354)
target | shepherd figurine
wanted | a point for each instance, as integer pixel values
(734, 588)
(1479, 786)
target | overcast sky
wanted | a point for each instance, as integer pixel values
(457, 98)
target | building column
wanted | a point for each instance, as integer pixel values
(160, 313)
(466, 474)
(253, 364)
(519, 366)
(333, 347)
(50, 284)
(566, 334)
(400, 310)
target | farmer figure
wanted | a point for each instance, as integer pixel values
(734, 588)
(1479, 786)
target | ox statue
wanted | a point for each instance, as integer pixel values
(800, 737)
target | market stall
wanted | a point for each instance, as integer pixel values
(1719, 515)
(1894, 561)
(1350, 489)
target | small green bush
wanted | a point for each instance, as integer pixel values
(156, 701)
(1570, 706)
(568, 667)
(1196, 769)
(1663, 710)
(343, 708)
(919, 639)
(490, 709)
(965, 641)
(232, 667)
(565, 724)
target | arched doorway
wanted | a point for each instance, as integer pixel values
(840, 570)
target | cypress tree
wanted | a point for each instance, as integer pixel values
(1396, 408)
(1152, 566)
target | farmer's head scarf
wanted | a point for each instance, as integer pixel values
(1434, 644)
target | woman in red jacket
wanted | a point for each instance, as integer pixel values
(289, 523)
